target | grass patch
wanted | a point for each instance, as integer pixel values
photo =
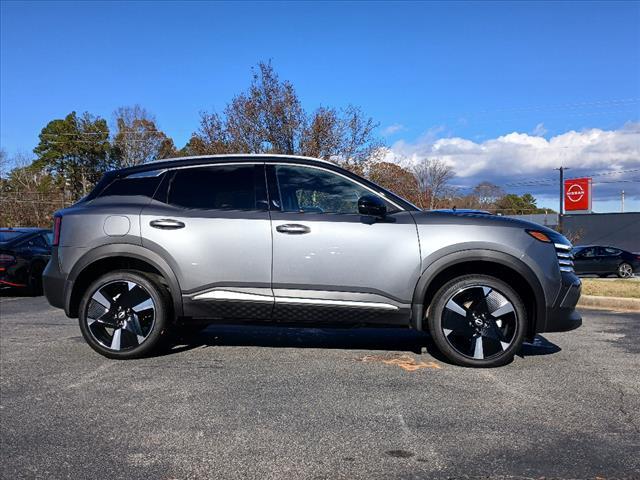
(611, 288)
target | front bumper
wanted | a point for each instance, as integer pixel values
(563, 316)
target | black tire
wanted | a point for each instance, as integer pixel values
(460, 317)
(151, 321)
(625, 270)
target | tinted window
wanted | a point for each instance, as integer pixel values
(609, 252)
(587, 253)
(144, 186)
(305, 189)
(224, 187)
(39, 242)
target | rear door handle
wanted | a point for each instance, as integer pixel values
(166, 224)
(293, 229)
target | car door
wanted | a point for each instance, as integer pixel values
(211, 223)
(586, 261)
(609, 259)
(332, 264)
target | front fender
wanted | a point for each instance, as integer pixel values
(439, 261)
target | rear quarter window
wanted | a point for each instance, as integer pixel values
(144, 186)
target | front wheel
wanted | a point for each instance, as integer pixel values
(477, 321)
(124, 314)
(625, 270)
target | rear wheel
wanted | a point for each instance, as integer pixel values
(124, 314)
(625, 270)
(477, 321)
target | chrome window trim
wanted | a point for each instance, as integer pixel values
(336, 303)
(229, 295)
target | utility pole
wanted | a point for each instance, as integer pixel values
(561, 209)
(622, 200)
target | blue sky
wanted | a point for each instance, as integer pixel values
(426, 71)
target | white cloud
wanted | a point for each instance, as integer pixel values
(517, 157)
(391, 129)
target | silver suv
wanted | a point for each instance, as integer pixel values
(291, 240)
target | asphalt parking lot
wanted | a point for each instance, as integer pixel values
(248, 402)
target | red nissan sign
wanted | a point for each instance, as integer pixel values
(577, 194)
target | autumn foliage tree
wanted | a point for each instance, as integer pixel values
(137, 139)
(269, 118)
(395, 178)
(433, 176)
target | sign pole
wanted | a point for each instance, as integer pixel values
(561, 209)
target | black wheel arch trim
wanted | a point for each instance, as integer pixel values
(447, 260)
(136, 252)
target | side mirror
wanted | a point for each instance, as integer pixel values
(371, 205)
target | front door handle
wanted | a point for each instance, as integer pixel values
(166, 224)
(293, 229)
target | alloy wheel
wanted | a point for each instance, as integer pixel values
(479, 322)
(625, 270)
(121, 315)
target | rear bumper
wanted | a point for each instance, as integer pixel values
(54, 282)
(563, 316)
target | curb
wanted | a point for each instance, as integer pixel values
(609, 303)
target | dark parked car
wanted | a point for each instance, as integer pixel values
(605, 261)
(24, 252)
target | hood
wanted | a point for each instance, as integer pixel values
(484, 219)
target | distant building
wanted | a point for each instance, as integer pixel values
(547, 219)
(620, 230)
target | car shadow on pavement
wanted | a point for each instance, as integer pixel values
(381, 339)
(389, 339)
(539, 346)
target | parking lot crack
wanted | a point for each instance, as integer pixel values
(625, 413)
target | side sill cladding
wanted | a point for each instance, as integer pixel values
(131, 251)
(476, 255)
